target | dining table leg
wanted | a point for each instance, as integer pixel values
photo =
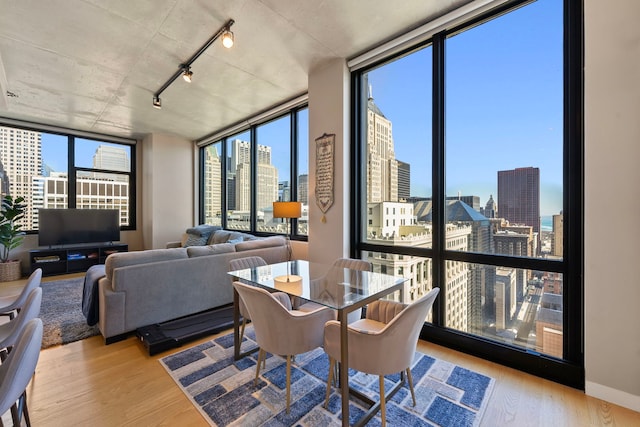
(344, 367)
(236, 325)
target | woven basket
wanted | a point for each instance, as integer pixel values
(10, 270)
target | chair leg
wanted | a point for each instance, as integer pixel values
(288, 381)
(244, 323)
(383, 406)
(25, 411)
(332, 363)
(413, 393)
(261, 356)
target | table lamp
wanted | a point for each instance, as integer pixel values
(288, 210)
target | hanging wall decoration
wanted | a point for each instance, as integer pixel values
(324, 172)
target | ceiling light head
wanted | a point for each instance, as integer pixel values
(187, 73)
(157, 103)
(227, 38)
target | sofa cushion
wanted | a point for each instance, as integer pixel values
(267, 242)
(123, 259)
(223, 236)
(220, 248)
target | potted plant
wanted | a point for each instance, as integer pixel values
(11, 236)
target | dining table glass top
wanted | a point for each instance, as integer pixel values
(335, 287)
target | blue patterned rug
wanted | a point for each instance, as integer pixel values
(223, 390)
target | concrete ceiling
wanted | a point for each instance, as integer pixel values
(93, 65)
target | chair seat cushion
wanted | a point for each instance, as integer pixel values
(367, 326)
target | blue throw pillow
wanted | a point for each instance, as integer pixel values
(195, 240)
(238, 240)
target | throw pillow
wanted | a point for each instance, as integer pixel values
(195, 240)
(199, 235)
(238, 240)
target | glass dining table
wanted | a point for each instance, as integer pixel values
(341, 289)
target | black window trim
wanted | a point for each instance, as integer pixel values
(292, 113)
(72, 170)
(569, 370)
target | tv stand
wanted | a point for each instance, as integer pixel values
(72, 259)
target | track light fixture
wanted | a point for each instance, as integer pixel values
(184, 69)
(187, 73)
(227, 39)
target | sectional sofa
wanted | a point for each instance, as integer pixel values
(153, 286)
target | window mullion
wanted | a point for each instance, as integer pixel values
(438, 174)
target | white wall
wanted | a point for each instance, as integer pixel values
(612, 202)
(329, 113)
(167, 189)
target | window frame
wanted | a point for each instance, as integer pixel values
(570, 369)
(72, 169)
(293, 115)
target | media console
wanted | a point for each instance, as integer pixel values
(72, 259)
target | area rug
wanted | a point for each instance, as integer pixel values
(224, 393)
(61, 313)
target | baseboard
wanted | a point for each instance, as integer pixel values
(613, 395)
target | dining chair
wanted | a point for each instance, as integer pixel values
(11, 330)
(11, 304)
(16, 371)
(252, 262)
(281, 331)
(382, 343)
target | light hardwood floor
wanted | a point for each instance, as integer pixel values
(87, 383)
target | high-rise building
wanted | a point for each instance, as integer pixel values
(519, 197)
(21, 156)
(303, 189)
(404, 180)
(382, 166)
(111, 158)
(212, 198)
(557, 246)
(240, 169)
(490, 210)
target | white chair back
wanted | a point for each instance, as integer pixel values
(16, 371)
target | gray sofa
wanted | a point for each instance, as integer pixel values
(153, 286)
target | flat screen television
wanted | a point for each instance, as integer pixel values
(73, 226)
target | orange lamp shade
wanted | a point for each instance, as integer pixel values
(287, 209)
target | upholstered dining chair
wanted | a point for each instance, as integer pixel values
(252, 262)
(16, 371)
(11, 330)
(281, 331)
(11, 304)
(382, 343)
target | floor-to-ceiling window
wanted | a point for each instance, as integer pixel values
(472, 182)
(245, 171)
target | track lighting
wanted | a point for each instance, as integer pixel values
(184, 69)
(227, 39)
(187, 73)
